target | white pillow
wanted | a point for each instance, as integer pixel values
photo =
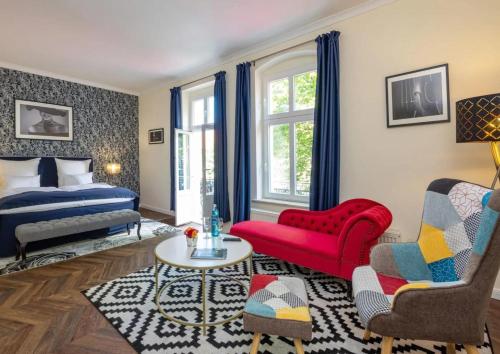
(12, 182)
(71, 167)
(73, 180)
(19, 168)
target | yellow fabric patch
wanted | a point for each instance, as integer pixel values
(433, 244)
(297, 313)
(412, 286)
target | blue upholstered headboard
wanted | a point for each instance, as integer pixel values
(47, 168)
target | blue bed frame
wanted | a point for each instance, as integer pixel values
(48, 178)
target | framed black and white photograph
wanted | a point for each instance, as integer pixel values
(45, 121)
(418, 97)
(156, 136)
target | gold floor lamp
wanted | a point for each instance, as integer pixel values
(478, 120)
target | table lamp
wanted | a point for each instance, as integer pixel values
(478, 120)
(113, 168)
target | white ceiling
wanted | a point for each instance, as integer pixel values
(135, 44)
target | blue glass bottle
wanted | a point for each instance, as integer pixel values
(215, 221)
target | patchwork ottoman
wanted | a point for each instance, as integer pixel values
(277, 305)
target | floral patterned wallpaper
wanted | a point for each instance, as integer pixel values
(105, 124)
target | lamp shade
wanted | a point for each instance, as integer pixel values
(113, 168)
(478, 119)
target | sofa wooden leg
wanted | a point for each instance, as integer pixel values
(367, 334)
(18, 251)
(255, 343)
(450, 348)
(23, 251)
(139, 230)
(471, 349)
(386, 346)
(298, 345)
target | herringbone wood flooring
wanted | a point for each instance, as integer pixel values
(43, 311)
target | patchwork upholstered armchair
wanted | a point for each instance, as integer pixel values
(438, 288)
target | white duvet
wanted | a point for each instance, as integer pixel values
(53, 206)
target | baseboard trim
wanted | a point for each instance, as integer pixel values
(159, 210)
(496, 294)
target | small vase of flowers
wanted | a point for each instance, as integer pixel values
(191, 236)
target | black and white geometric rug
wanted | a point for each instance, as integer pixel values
(128, 304)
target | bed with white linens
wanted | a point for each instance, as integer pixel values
(47, 188)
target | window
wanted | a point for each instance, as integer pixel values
(201, 125)
(289, 100)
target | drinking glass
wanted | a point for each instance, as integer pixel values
(205, 222)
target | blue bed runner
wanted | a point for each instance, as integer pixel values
(27, 199)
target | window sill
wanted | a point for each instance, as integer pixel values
(282, 203)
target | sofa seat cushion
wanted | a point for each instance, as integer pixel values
(374, 292)
(310, 241)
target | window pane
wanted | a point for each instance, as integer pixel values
(183, 161)
(198, 112)
(210, 110)
(304, 88)
(278, 96)
(303, 151)
(279, 171)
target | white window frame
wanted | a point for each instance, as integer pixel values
(291, 117)
(197, 94)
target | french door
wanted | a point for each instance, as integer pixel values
(195, 164)
(185, 189)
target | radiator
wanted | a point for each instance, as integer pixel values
(390, 236)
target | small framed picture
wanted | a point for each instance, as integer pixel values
(156, 136)
(45, 121)
(418, 97)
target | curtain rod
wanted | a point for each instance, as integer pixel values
(254, 60)
(192, 82)
(281, 51)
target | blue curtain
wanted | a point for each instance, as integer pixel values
(325, 171)
(241, 198)
(175, 123)
(221, 194)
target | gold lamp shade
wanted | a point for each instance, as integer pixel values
(478, 120)
(113, 168)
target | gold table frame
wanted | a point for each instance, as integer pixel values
(204, 324)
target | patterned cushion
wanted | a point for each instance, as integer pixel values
(278, 297)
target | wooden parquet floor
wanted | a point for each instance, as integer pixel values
(43, 311)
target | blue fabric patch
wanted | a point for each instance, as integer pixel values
(439, 212)
(443, 270)
(488, 221)
(257, 308)
(410, 261)
(486, 198)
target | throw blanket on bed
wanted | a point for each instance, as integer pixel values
(59, 196)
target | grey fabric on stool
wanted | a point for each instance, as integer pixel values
(278, 306)
(44, 230)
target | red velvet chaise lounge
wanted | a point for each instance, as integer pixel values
(334, 241)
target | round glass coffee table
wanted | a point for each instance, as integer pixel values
(174, 252)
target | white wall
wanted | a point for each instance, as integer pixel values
(392, 166)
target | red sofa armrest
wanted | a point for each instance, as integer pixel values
(359, 234)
